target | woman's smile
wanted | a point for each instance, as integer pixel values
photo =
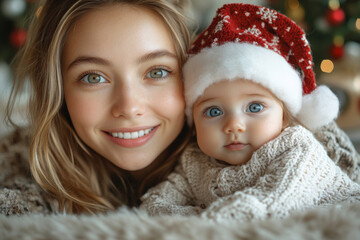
(131, 134)
(132, 139)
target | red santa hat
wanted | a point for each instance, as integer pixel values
(261, 45)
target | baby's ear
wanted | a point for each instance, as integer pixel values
(286, 121)
(285, 124)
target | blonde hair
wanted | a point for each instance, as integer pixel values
(288, 118)
(80, 179)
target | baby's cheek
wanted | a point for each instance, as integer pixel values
(267, 132)
(208, 141)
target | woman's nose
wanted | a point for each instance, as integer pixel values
(128, 102)
(234, 125)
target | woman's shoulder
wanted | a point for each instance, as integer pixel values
(14, 155)
(16, 139)
(19, 193)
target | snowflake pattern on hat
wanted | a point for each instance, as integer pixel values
(267, 14)
(264, 27)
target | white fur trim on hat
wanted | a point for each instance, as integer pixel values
(232, 61)
(319, 108)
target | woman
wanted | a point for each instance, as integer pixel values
(107, 110)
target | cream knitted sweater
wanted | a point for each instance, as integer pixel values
(290, 173)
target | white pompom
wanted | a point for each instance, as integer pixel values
(319, 108)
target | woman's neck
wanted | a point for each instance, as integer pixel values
(138, 175)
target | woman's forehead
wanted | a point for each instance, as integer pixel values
(118, 32)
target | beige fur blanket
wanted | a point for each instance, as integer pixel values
(25, 210)
(342, 222)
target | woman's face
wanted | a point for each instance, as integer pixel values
(122, 84)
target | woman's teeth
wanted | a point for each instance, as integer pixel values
(131, 135)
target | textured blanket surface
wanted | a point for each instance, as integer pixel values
(25, 211)
(341, 222)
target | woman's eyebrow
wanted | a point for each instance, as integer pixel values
(156, 54)
(88, 59)
(101, 61)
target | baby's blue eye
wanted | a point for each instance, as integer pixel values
(254, 108)
(213, 112)
(157, 73)
(93, 78)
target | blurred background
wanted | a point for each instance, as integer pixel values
(332, 28)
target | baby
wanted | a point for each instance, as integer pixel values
(251, 94)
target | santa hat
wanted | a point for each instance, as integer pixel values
(261, 45)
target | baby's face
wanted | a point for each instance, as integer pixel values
(235, 118)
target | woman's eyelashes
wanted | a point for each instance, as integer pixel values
(158, 73)
(97, 78)
(93, 78)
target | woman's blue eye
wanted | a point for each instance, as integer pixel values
(157, 73)
(93, 78)
(254, 108)
(213, 112)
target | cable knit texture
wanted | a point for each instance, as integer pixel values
(290, 173)
(340, 150)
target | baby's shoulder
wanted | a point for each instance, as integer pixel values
(192, 151)
(292, 140)
(193, 157)
(297, 135)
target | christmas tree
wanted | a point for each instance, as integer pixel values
(333, 31)
(14, 15)
(329, 24)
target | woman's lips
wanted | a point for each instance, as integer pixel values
(236, 146)
(132, 139)
(131, 134)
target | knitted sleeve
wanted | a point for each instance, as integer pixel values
(340, 149)
(299, 175)
(173, 196)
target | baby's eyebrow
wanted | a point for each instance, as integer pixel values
(256, 95)
(198, 103)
